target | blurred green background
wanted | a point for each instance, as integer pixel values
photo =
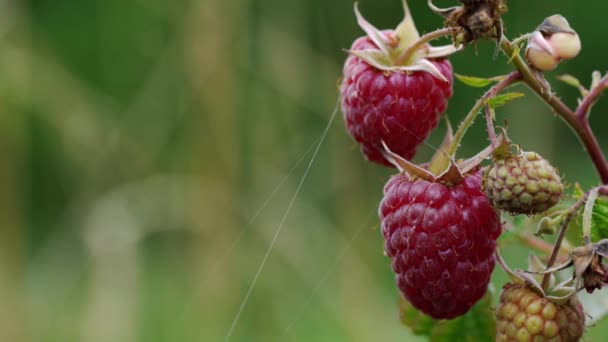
(149, 150)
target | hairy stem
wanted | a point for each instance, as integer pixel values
(521, 39)
(579, 124)
(407, 54)
(490, 125)
(510, 79)
(582, 112)
(560, 237)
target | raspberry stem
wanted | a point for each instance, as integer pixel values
(521, 39)
(509, 80)
(560, 237)
(579, 124)
(582, 112)
(405, 57)
(490, 125)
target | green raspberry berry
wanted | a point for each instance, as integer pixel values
(525, 315)
(522, 184)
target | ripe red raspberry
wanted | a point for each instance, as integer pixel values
(524, 315)
(401, 108)
(441, 240)
(394, 88)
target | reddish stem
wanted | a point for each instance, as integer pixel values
(560, 237)
(513, 77)
(579, 124)
(509, 80)
(583, 109)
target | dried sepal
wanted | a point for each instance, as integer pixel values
(474, 20)
(406, 30)
(394, 52)
(372, 32)
(405, 166)
(452, 175)
(589, 271)
(559, 293)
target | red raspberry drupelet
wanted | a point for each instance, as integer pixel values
(401, 108)
(441, 241)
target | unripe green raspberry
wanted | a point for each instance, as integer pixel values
(524, 315)
(522, 184)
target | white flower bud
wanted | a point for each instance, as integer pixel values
(566, 45)
(540, 54)
(552, 41)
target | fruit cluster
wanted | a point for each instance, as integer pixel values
(441, 220)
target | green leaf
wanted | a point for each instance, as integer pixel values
(477, 82)
(503, 99)
(419, 323)
(599, 220)
(477, 325)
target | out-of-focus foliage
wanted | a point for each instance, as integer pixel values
(150, 148)
(479, 324)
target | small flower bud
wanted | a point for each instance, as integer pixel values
(552, 41)
(566, 45)
(540, 54)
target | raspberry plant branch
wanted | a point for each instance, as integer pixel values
(490, 125)
(579, 124)
(560, 237)
(509, 80)
(454, 207)
(582, 112)
(521, 39)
